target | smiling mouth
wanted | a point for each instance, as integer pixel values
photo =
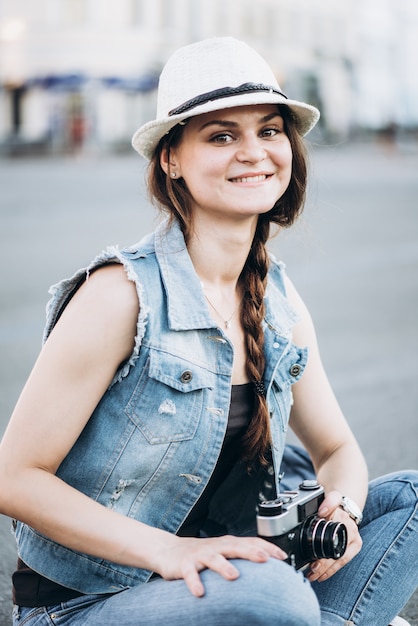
(259, 178)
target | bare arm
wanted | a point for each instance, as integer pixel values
(94, 335)
(76, 365)
(318, 421)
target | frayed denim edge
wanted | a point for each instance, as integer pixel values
(62, 291)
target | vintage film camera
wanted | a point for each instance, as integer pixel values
(291, 523)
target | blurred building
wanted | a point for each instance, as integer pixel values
(79, 73)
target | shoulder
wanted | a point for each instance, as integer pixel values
(111, 285)
(277, 273)
(304, 333)
(294, 297)
(110, 295)
(104, 309)
(104, 286)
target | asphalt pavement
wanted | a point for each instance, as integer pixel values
(353, 257)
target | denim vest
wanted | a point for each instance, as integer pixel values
(152, 443)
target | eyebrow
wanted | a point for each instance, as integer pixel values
(231, 124)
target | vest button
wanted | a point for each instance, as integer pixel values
(295, 370)
(186, 376)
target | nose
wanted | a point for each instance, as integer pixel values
(251, 149)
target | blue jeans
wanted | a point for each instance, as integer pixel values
(265, 593)
(369, 591)
(379, 581)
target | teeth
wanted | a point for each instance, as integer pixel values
(250, 179)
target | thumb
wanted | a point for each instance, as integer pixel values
(331, 502)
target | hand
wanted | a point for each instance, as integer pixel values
(187, 556)
(330, 509)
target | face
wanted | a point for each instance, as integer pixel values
(235, 162)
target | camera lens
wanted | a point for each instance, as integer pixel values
(320, 539)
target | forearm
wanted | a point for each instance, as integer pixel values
(74, 520)
(345, 471)
(70, 518)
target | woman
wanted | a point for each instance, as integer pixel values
(158, 407)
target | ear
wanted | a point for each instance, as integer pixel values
(168, 161)
(164, 160)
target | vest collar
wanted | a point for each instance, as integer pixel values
(186, 303)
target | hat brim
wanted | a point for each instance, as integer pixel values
(147, 137)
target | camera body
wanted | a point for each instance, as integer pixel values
(291, 522)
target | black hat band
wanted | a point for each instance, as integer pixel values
(223, 92)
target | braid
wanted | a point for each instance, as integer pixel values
(253, 279)
(174, 198)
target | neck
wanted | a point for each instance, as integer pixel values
(219, 254)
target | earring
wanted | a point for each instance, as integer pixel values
(173, 174)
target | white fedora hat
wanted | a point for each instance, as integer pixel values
(214, 74)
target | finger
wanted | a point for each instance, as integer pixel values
(325, 568)
(215, 554)
(216, 563)
(330, 503)
(252, 549)
(322, 570)
(272, 550)
(193, 581)
(219, 564)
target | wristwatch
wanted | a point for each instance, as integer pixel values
(352, 509)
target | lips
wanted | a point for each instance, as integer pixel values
(256, 178)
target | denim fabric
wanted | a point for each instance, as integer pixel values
(369, 591)
(379, 581)
(152, 443)
(269, 594)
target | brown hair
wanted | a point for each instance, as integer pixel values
(173, 198)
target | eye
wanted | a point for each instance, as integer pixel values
(271, 132)
(221, 138)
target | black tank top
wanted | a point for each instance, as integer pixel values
(30, 589)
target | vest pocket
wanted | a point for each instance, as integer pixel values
(167, 402)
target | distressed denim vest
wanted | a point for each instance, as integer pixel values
(152, 443)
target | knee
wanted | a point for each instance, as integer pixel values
(406, 476)
(273, 594)
(411, 476)
(406, 494)
(392, 493)
(409, 495)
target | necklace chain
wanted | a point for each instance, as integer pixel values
(227, 322)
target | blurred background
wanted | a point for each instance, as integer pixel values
(77, 77)
(82, 74)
